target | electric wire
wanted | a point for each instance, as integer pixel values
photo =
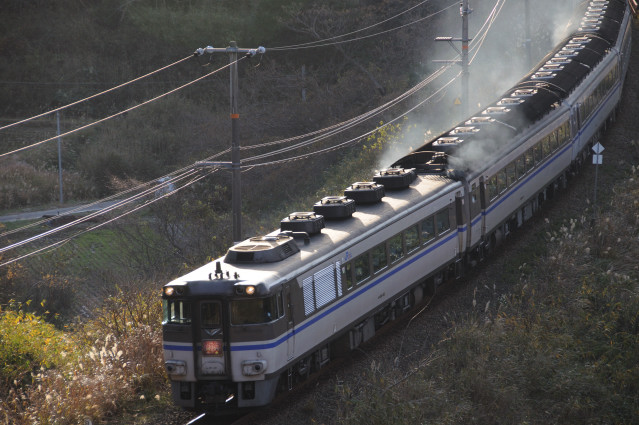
(369, 35)
(59, 243)
(357, 120)
(89, 216)
(96, 95)
(167, 180)
(292, 46)
(354, 140)
(146, 102)
(492, 17)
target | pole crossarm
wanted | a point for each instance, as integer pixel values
(230, 49)
(207, 164)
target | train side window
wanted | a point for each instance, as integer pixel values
(210, 315)
(538, 153)
(395, 248)
(347, 276)
(546, 145)
(521, 166)
(530, 159)
(428, 229)
(554, 138)
(411, 236)
(502, 182)
(443, 222)
(493, 191)
(564, 133)
(362, 268)
(511, 174)
(176, 312)
(378, 254)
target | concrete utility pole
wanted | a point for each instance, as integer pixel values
(464, 10)
(235, 163)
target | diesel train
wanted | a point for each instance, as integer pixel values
(277, 307)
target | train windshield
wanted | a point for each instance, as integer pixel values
(176, 312)
(253, 311)
(210, 315)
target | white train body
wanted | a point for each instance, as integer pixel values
(258, 320)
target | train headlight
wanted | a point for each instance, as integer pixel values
(168, 291)
(250, 290)
(212, 347)
(253, 367)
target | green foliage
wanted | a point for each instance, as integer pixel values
(27, 344)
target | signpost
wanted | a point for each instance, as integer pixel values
(597, 159)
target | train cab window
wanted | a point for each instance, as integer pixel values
(253, 311)
(280, 305)
(411, 236)
(378, 255)
(362, 269)
(176, 312)
(347, 276)
(428, 229)
(443, 222)
(210, 315)
(395, 248)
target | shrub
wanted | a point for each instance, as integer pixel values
(28, 344)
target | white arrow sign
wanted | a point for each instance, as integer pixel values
(597, 159)
(598, 148)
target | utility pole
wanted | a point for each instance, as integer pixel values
(235, 164)
(57, 114)
(464, 11)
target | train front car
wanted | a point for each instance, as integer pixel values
(209, 310)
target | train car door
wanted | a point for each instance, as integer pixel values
(290, 327)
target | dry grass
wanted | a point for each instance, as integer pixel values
(89, 373)
(561, 345)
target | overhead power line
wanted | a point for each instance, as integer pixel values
(116, 114)
(293, 46)
(194, 174)
(353, 140)
(96, 95)
(329, 43)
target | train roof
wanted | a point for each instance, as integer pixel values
(334, 238)
(541, 91)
